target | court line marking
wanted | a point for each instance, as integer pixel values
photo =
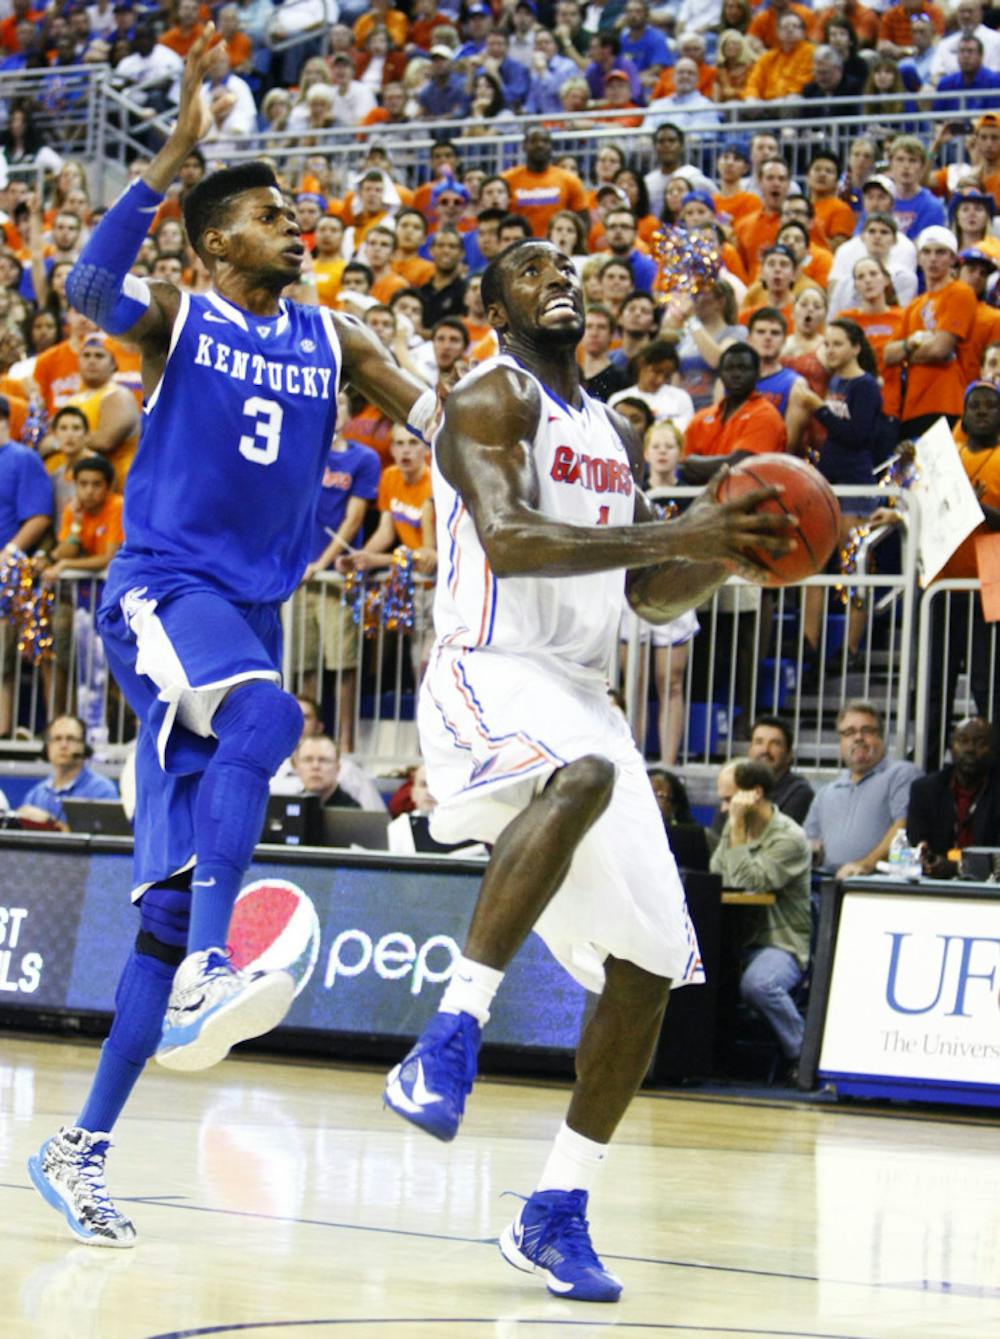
(245, 1326)
(942, 1287)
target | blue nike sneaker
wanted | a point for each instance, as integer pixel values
(68, 1171)
(550, 1236)
(429, 1087)
(213, 1005)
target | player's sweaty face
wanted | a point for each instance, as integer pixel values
(264, 234)
(543, 291)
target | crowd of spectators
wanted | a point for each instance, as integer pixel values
(856, 298)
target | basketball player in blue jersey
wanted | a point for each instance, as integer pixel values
(541, 530)
(240, 409)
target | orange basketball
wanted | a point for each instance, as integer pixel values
(807, 496)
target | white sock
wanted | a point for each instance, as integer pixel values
(573, 1163)
(471, 990)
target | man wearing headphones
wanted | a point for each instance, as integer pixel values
(67, 749)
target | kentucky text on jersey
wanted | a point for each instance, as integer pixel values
(596, 473)
(294, 379)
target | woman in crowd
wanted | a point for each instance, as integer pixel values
(884, 79)
(879, 239)
(608, 162)
(733, 64)
(487, 104)
(314, 71)
(880, 317)
(633, 184)
(654, 370)
(706, 325)
(735, 15)
(671, 642)
(858, 437)
(972, 211)
(671, 796)
(839, 33)
(566, 231)
(804, 352)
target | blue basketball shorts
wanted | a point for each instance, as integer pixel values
(175, 649)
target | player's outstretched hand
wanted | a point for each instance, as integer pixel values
(194, 117)
(734, 532)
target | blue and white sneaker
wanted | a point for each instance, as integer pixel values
(68, 1171)
(213, 1005)
(550, 1236)
(430, 1086)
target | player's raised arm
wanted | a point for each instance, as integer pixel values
(99, 284)
(483, 450)
(370, 368)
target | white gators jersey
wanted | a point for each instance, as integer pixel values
(584, 478)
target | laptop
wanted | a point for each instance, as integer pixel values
(100, 818)
(292, 820)
(368, 828)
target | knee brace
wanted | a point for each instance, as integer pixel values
(164, 914)
(257, 726)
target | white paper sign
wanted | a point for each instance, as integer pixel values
(914, 989)
(949, 511)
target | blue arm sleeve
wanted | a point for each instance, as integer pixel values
(99, 284)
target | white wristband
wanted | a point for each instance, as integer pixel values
(422, 413)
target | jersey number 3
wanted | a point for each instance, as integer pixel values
(265, 443)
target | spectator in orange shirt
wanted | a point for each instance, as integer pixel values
(736, 58)
(22, 13)
(690, 46)
(895, 33)
(328, 262)
(741, 424)
(539, 190)
(732, 201)
(238, 45)
(976, 269)
(813, 263)
(756, 231)
(380, 243)
(935, 325)
(778, 273)
(785, 70)
(765, 26)
(381, 14)
(411, 234)
(393, 109)
(834, 216)
(188, 29)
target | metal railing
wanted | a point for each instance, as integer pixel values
(495, 145)
(750, 656)
(958, 659)
(64, 102)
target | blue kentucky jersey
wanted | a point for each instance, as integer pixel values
(234, 439)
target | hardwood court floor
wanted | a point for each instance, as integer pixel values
(277, 1201)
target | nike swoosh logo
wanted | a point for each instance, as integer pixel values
(421, 1093)
(203, 883)
(219, 320)
(190, 1008)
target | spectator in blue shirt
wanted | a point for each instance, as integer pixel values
(25, 491)
(607, 57)
(549, 71)
(620, 228)
(67, 750)
(969, 77)
(478, 22)
(644, 46)
(515, 80)
(914, 207)
(444, 94)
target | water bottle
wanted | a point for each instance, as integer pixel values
(904, 859)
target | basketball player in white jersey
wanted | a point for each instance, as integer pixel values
(540, 529)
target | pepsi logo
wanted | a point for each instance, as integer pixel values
(274, 927)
